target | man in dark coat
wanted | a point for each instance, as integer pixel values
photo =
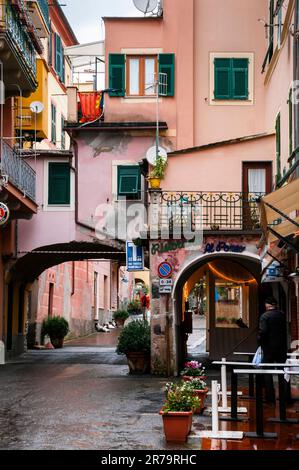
(272, 337)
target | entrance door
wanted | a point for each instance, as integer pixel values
(257, 181)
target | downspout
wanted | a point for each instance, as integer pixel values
(296, 80)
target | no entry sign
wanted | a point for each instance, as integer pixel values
(165, 270)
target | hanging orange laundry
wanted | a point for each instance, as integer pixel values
(91, 105)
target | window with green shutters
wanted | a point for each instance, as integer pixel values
(59, 57)
(117, 74)
(53, 123)
(117, 65)
(278, 149)
(167, 66)
(129, 182)
(59, 183)
(231, 79)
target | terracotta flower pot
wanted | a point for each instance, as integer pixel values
(177, 425)
(201, 394)
(120, 322)
(138, 362)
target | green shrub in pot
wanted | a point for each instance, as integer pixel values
(57, 328)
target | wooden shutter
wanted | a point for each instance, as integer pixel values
(53, 123)
(239, 79)
(222, 79)
(59, 184)
(290, 103)
(59, 59)
(167, 65)
(117, 74)
(51, 47)
(129, 181)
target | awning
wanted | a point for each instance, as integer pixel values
(281, 204)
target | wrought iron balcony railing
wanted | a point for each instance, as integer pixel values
(11, 24)
(185, 211)
(19, 173)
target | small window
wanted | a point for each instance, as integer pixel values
(59, 184)
(231, 79)
(129, 182)
(53, 123)
(141, 75)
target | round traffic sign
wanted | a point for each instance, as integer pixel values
(165, 270)
(4, 213)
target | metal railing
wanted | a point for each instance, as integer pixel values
(19, 173)
(177, 210)
(10, 23)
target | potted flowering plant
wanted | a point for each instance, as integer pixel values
(158, 172)
(177, 411)
(193, 369)
(199, 389)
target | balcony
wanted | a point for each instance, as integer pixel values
(178, 213)
(19, 173)
(39, 11)
(17, 49)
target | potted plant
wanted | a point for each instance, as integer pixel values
(135, 342)
(120, 317)
(56, 328)
(199, 389)
(177, 412)
(134, 307)
(158, 172)
(193, 369)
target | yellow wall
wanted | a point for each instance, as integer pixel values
(41, 94)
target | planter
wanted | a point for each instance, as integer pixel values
(57, 342)
(154, 183)
(188, 378)
(138, 362)
(201, 394)
(177, 425)
(120, 322)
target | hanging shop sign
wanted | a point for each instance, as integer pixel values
(223, 246)
(274, 273)
(4, 213)
(165, 270)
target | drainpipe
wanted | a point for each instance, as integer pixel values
(296, 80)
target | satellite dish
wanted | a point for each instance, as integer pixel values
(146, 6)
(152, 153)
(37, 107)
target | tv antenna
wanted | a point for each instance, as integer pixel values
(36, 107)
(146, 6)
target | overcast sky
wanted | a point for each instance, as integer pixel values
(85, 15)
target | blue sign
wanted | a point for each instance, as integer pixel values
(135, 257)
(165, 270)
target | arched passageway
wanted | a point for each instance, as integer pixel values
(224, 289)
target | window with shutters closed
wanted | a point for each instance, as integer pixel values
(53, 123)
(59, 57)
(129, 182)
(231, 79)
(59, 185)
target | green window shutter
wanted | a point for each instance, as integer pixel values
(51, 47)
(129, 182)
(290, 103)
(59, 59)
(62, 77)
(240, 79)
(59, 184)
(62, 133)
(53, 123)
(278, 149)
(167, 66)
(117, 74)
(271, 29)
(222, 79)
